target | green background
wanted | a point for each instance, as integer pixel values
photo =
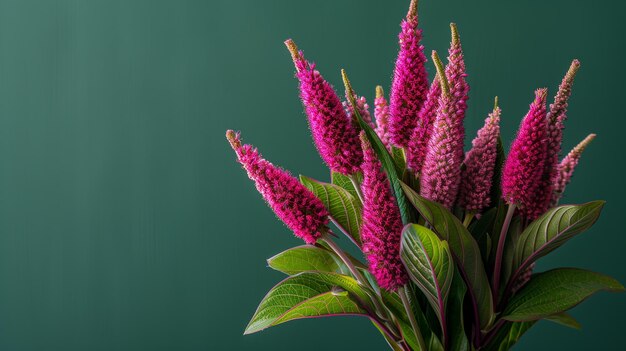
(125, 223)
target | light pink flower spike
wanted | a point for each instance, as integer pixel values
(292, 202)
(381, 113)
(524, 165)
(418, 145)
(480, 161)
(456, 73)
(382, 225)
(566, 168)
(410, 81)
(335, 135)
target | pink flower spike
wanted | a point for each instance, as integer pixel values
(292, 202)
(381, 113)
(362, 107)
(556, 123)
(410, 81)
(381, 229)
(441, 173)
(567, 166)
(418, 145)
(456, 73)
(334, 134)
(524, 165)
(477, 177)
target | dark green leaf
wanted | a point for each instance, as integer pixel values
(565, 320)
(345, 182)
(308, 295)
(508, 336)
(464, 249)
(395, 306)
(303, 258)
(552, 230)
(556, 291)
(397, 154)
(344, 208)
(456, 332)
(430, 265)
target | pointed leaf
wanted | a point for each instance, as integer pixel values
(564, 319)
(508, 336)
(552, 230)
(344, 208)
(395, 306)
(556, 291)
(303, 258)
(430, 265)
(309, 295)
(345, 182)
(464, 249)
(458, 338)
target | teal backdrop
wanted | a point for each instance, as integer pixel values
(125, 223)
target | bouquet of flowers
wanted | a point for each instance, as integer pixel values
(450, 238)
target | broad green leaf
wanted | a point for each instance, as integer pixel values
(456, 332)
(303, 258)
(464, 249)
(345, 182)
(511, 243)
(388, 165)
(430, 265)
(508, 336)
(344, 208)
(564, 319)
(395, 306)
(552, 230)
(309, 295)
(556, 291)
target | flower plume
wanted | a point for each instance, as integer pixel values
(334, 134)
(524, 165)
(477, 177)
(567, 166)
(382, 225)
(381, 113)
(410, 81)
(441, 173)
(292, 202)
(456, 73)
(416, 151)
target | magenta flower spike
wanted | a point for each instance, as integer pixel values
(381, 113)
(566, 168)
(381, 229)
(441, 173)
(480, 161)
(456, 73)
(525, 163)
(292, 202)
(556, 123)
(335, 135)
(418, 145)
(410, 81)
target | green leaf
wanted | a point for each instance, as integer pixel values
(344, 208)
(304, 258)
(556, 291)
(565, 320)
(394, 304)
(430, 265)
(397, 154)
(389, 166)
(458, 338)
(345, 182)
(464, 249)
(309, 295)
(552, 230)
(508, 336)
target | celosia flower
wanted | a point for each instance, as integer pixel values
(456, 73)
(567, 166)
(477, 176)
(556, 123)
(362, 107)
(292, 202)
(418, 145)
(524, 165)
(441, 173)
(410, 81)
(381, 113)
(335, 135)
(382, 225)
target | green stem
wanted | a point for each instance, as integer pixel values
(403, 292)
(348, 262)
(500, 251)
